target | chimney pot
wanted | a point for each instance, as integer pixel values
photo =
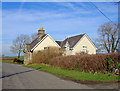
(41, 28)
(41, 32)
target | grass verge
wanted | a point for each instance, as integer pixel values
(76, 75)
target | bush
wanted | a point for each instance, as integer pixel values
(85, 62)
(110, 64)
(18, 60)
(93, 63)
(45, 55)
(117, 68)
(82, 53)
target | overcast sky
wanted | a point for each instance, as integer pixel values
(57, 18)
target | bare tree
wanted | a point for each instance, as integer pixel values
(108, 37)
(19, 44)
(34, 36)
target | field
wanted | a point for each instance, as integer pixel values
(22, 57)
(10, 59)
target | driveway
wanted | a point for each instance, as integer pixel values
(18, 77)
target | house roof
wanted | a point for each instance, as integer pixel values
(72, 41)
(36, 41)
(58, 42)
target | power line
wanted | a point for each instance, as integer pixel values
(101, 11)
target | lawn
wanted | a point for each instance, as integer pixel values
(75, 75)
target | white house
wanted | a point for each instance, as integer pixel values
(72, 45)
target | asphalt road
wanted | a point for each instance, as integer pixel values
(18, 77)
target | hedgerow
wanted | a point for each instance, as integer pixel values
(92, 63)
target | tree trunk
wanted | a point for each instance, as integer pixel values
(19, 54)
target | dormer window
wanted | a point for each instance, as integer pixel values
(67, 46)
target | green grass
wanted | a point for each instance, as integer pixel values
(21, 57)
(8, 61)
(75, 75)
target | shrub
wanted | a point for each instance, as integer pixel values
(45, 55)
(82, 53)
(93, 63)
(18, 60)
(117, 65)
(117, 68)
(110, 64)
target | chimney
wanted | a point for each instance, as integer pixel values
(27, 46)
(41, 32)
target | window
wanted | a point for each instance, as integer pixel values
(71, 49)
(67, 46)
(85, 49)
(45, 48)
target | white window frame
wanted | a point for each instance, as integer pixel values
(85, 49)
(45, 48)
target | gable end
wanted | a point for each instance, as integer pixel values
(87, 38)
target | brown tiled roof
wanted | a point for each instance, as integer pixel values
(37, 40)
(71, 40)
